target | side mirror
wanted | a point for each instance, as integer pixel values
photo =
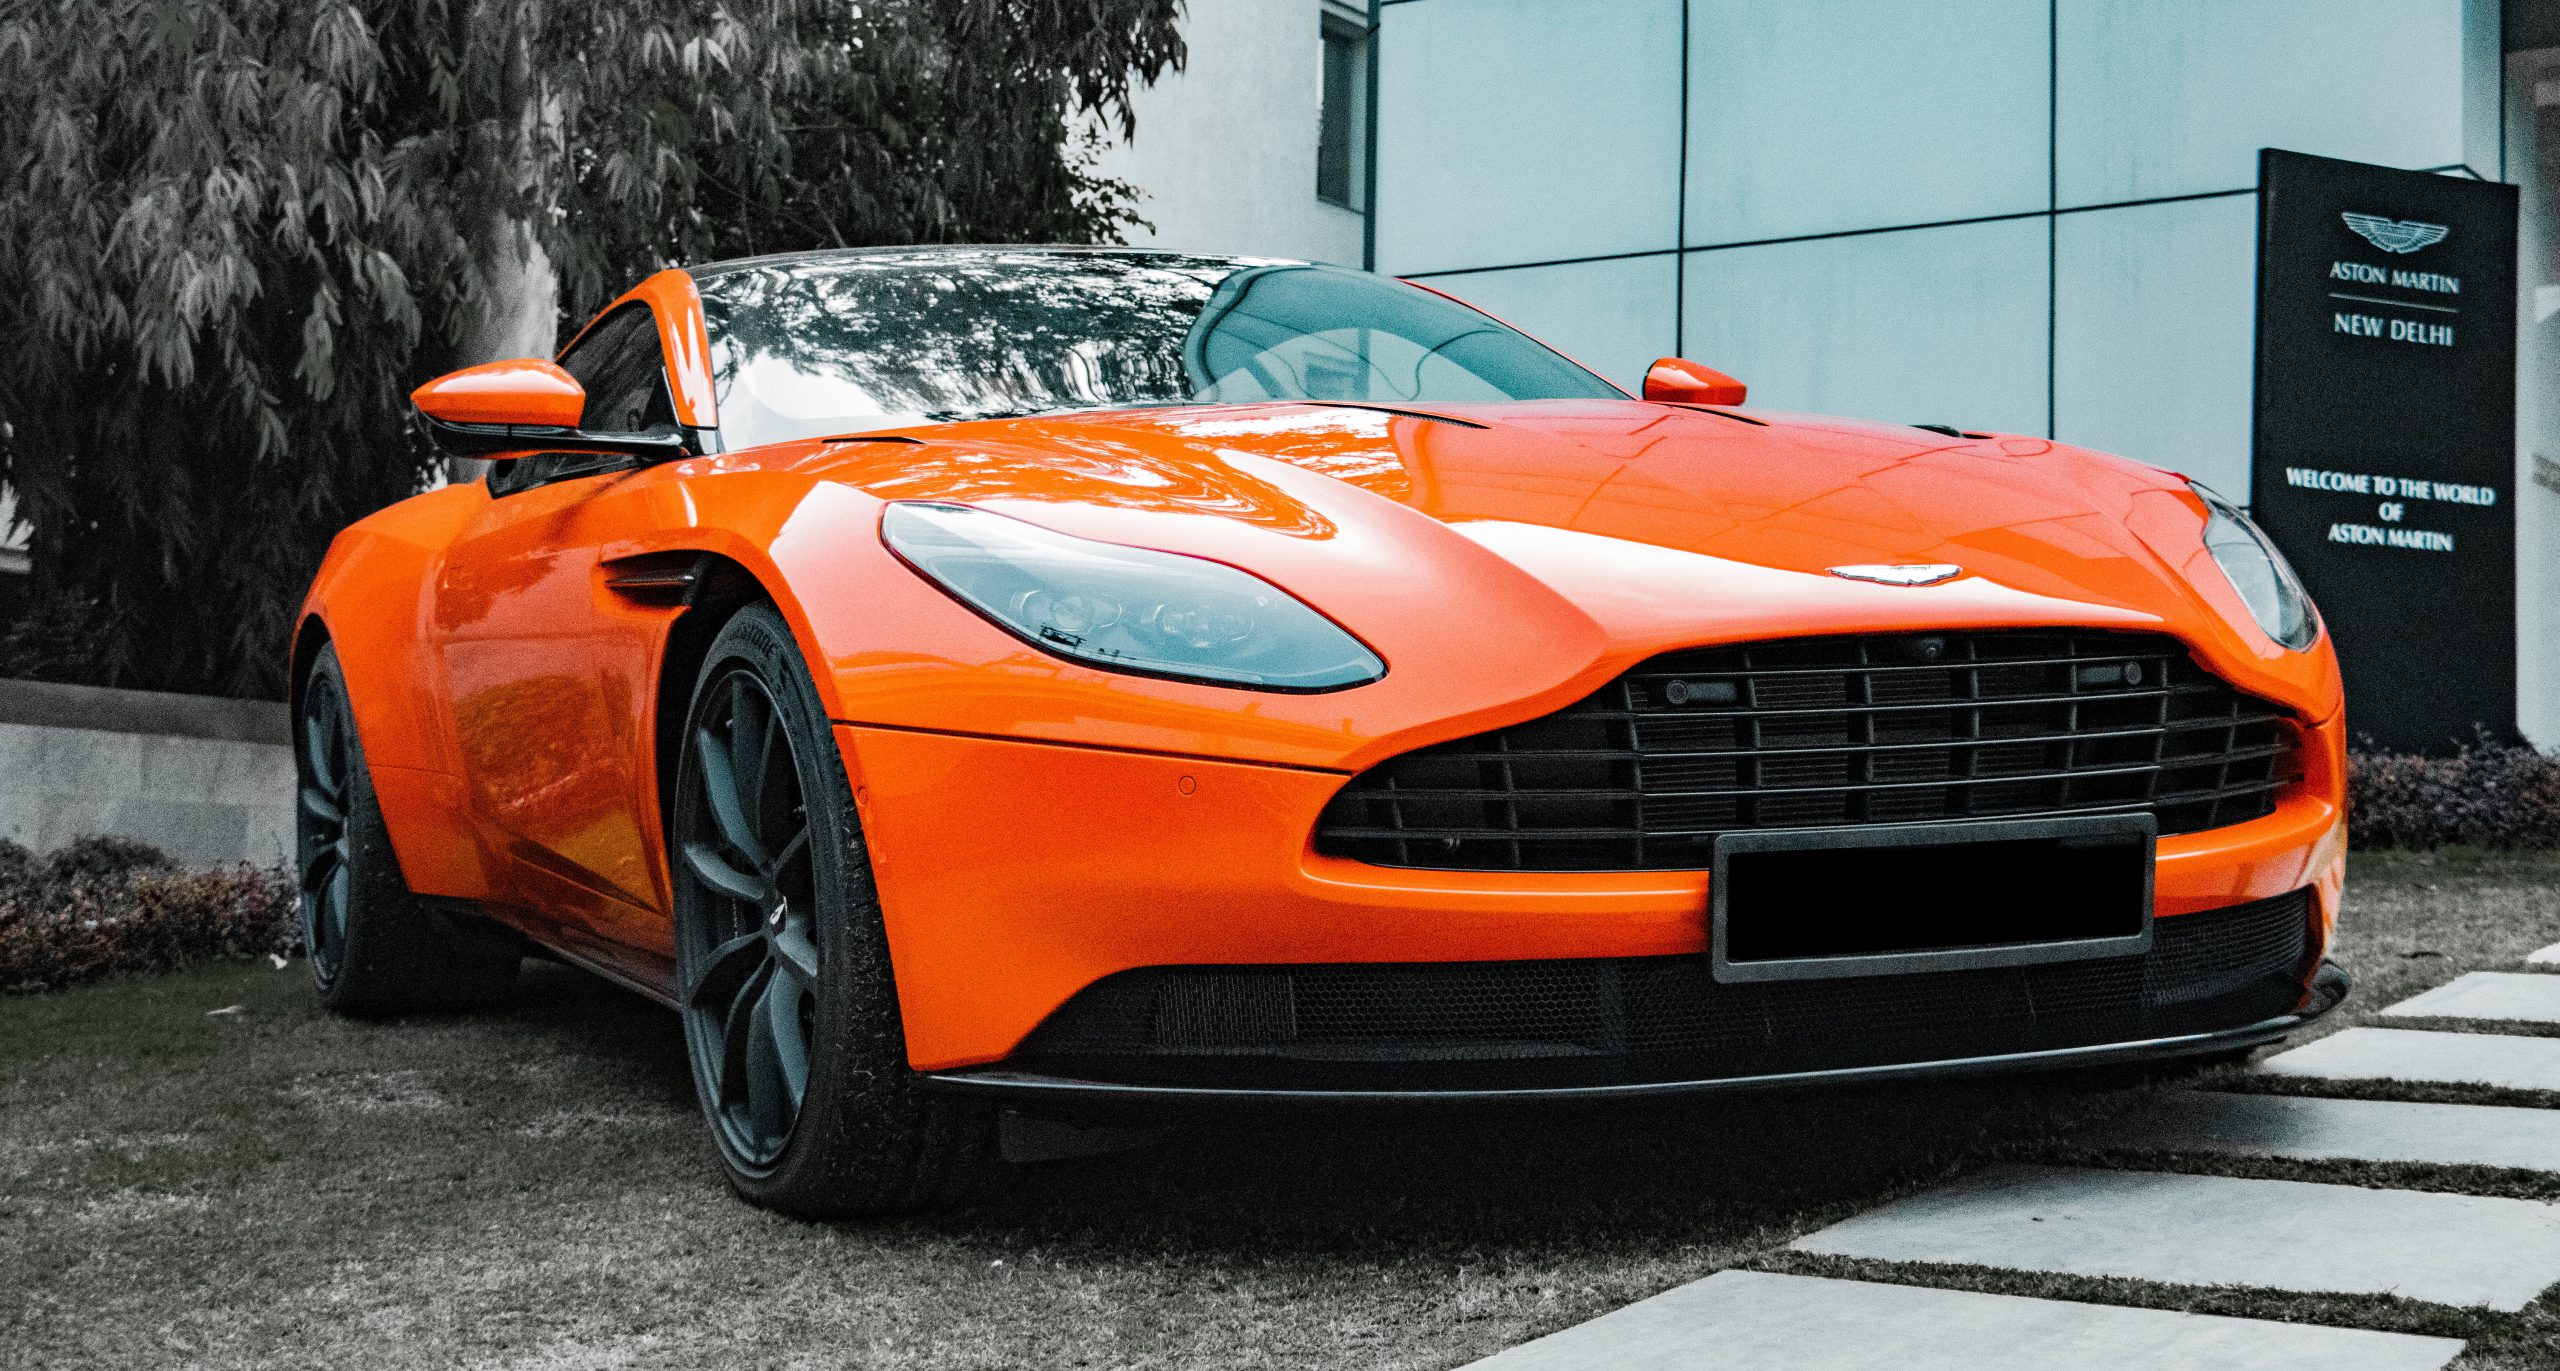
(515, 408)
(522, 393)
(1679, 381)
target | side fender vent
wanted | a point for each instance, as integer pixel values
(659, 580)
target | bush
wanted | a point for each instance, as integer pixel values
(101, 907)
(2490, 794)
(97, 857)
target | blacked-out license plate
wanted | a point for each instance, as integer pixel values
(1798, 904)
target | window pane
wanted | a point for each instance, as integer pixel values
(619, 366)
(1336, 126)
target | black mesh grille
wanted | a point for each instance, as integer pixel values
(1473, 1025)
(1821, 732)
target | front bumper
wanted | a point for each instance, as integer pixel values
(1015, 875)
(2329, 988)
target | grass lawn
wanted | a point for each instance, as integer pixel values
(531, 1188)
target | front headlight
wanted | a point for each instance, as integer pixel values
(1126, 608)
(2266, 584)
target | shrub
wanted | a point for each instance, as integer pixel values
(2490, 794)
(103, 907)
(19, 868)
(97, 857)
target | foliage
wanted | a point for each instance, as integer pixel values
(234, 233)
(60, 637)
(100, 857)
(104, 906)
(2490, 794)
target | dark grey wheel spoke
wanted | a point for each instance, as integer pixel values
(336, 904)
(782, 1024)
(321, 805)
(720, 787)
(768, 1090)
(737, 1070)
(729, 965)
(320, 737)
(316, 866)
(798, 953)
(713, 870)
(751, 733)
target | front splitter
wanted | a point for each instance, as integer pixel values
(2329, 988)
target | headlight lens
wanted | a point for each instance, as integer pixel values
(2266, 584)
(1127, 608)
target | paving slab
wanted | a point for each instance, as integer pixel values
(2217, 1230)
(2338, 1130)
(2524, 996)
(2400, 1054)
(2549, 956)
(1754, 1321)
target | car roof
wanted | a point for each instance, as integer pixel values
(948, 252)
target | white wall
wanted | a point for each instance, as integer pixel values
(209, 781)
(1225, 152)
(204, 801)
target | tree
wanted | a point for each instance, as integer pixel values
(234, 233)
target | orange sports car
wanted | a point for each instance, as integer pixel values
(988, 679)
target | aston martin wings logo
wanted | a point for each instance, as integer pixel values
(1900, 573)
(2395, 235)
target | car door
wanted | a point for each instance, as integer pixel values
(545, 680)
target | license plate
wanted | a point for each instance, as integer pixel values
(1802, 904)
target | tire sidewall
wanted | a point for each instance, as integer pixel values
(856, 1053)
(368, 842)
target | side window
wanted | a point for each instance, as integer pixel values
(620, 366)
(624, 373)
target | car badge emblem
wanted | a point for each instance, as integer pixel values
(1900, 573)
(2395, 235)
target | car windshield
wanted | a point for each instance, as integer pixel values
(817, 346)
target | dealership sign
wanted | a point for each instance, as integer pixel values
(2385, 437)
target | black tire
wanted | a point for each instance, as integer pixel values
(790, 1006)
(374, 947)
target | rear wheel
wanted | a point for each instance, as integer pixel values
(790, 1007)
(375, 948)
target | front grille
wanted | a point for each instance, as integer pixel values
(1483, 1025)
(1823, 732)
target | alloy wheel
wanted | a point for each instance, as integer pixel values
(750, 952)
(321, 826)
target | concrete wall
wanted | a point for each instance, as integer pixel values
(208, 781)
(1225, 153)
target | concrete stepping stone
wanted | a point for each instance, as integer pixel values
(2526, 996)
(2549, 956)
(1755, 1321)
(2400, 1054)
(2338, 1130)
(2216, 1230)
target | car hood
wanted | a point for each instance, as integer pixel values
(1593, 533)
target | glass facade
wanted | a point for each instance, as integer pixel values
(2032, 215)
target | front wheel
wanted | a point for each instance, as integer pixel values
(789, 1002)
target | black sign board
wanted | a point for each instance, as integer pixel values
(2386, 428)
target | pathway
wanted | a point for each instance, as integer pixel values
(2175, 1228)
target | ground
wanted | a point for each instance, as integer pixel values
(267, 1185)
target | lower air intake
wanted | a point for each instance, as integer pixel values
(1496, 1025)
